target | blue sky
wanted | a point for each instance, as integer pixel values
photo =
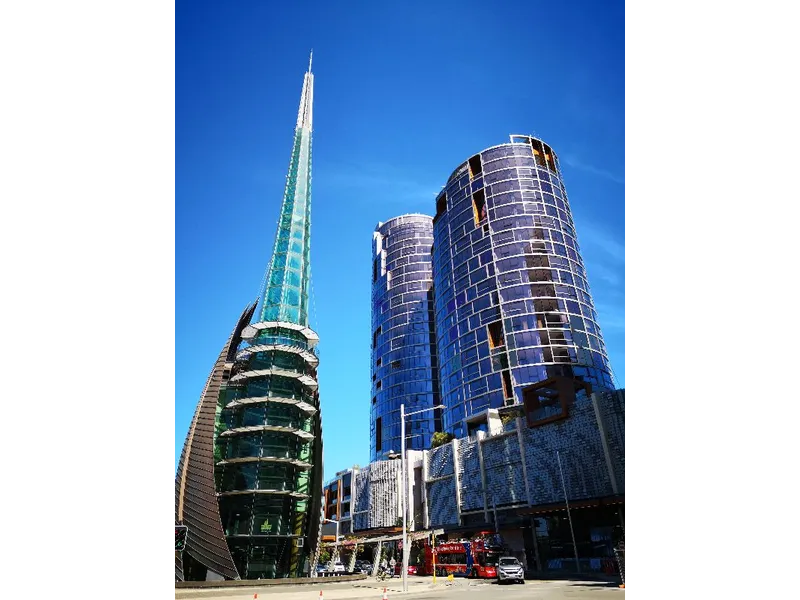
(403, 94)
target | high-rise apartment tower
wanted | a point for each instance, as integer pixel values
(404, 364)
(512, 300)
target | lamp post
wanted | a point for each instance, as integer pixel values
(336, 541)
(403, 468)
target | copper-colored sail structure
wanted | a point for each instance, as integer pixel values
(195, 497)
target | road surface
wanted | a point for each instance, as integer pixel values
(420, 588)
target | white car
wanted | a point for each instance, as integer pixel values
(337, 567)
(509, 569)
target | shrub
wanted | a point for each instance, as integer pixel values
(440, 438)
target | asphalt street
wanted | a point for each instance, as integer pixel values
(420, 588)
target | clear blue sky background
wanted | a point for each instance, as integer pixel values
(404, 92)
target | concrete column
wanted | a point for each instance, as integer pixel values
(425, 473)
(539, 566)
(352, 562)
(376, 559)
(457, 479)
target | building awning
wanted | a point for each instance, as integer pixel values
(381, 537)
(573, 505)
(469, 528)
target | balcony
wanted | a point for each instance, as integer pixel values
(297, 429)
(286, 458)
(309, 357)
(252, 330)
(301, 404)
(306, 380)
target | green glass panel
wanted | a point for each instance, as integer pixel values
(277, 277)
(274, 296)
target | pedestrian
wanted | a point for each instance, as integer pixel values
(392, 563)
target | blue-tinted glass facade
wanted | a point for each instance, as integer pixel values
(404, 364)
(513, 305)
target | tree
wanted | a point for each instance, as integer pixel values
(510, 415)
(440, 438)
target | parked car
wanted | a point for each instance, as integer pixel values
(366, 568)
(509, 569)
(398, 569)
(337, 568)
(322, 569)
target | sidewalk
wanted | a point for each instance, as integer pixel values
(369, 588)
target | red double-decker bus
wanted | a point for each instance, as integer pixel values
(471, 558)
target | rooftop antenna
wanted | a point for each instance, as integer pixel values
(310, 58)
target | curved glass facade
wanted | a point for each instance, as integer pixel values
(268, 438)
(265, 453)
(513, 305)
(404, 364)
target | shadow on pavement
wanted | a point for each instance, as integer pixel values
(597, 584)
(599, 578)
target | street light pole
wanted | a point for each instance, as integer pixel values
(405, 477)
(336, 541)
(403, 468)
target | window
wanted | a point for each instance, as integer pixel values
(479, 206)
(441, 204)
(538, 152)
(378, 434)
(508, 389)
(475, 166)
(540, 275)
(537, 260)
(495, 331)
(549, 158)
(375, 336)
(378, 385)
(476, 426)
(395, 364)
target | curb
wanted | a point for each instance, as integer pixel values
(232, 584)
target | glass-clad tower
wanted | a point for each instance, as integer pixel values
(404, 364)
(512, 305)
(267, 439)
(270, 420)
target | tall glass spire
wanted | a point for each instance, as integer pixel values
(286, 294)
(269, 475)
